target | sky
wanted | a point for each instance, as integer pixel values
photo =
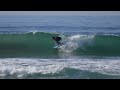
(93, 13)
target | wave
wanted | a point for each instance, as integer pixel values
(40, 44)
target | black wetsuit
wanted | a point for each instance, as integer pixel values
(57, 39)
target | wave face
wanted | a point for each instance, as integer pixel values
(40, 44)
(29, 44)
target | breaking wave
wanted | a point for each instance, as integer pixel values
(40, 44)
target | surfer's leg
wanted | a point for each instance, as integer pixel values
(58, 42)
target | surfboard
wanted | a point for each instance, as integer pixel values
(56, 46)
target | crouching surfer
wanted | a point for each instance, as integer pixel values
(57, 39)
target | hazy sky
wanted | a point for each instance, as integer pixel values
(95, 13)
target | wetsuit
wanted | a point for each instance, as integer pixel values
(57, 39)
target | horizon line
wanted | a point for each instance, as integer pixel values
(83, 13)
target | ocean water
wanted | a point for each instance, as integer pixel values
(90, 47)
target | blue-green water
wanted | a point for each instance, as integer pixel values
(90, 47)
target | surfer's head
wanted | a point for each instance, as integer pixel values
(56, 38)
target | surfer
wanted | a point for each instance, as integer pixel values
(57, 39)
